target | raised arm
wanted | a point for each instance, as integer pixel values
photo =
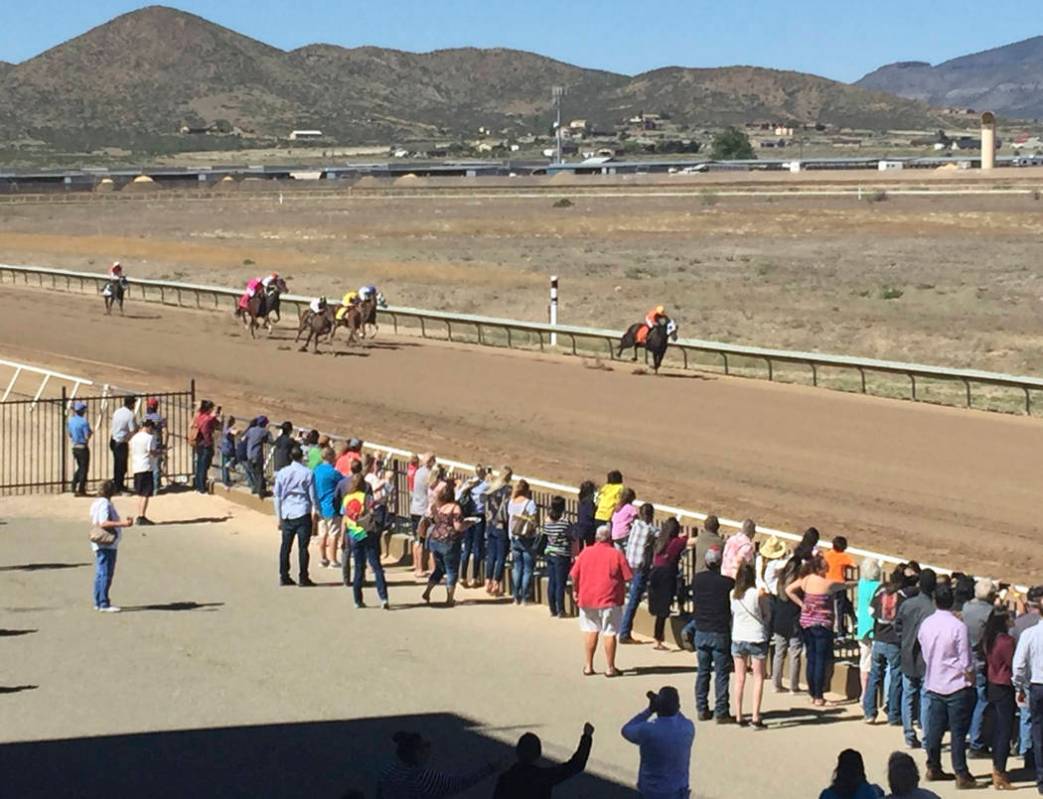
(633, 729)
(578, 762)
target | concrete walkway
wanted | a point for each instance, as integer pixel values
(216, 681)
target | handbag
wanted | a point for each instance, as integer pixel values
(101, 536)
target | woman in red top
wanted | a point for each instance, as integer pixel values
(662, 580)
(999, 660)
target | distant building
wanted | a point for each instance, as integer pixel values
(305, 135)
(578, 125)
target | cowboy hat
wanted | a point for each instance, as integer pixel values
(772, 548)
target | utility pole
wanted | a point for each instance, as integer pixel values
(556, 93)
(554, 308)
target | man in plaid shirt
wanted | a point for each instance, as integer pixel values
(643, 533)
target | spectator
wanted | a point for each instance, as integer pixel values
(313, 449)
(1029, 617)
(382, 494)
(201, 437)
(344, 459)
(418, 511)
(622, 517)
(814, 594)
(361, 534)
(124, 424)
(771, 560)
(326, 479)
(711, 611)
(739, 549)
(911, 613)
(282, 445)
(975, 613)
(411, 466)
(808, 545)
(599, 578)
(80, 433)
(638, 551)
(105, 516)
(586, 509)
(409, 778)
(948, 686)
(559, 556)
(526, 780)
(296, 510)
(998, 647)
(840, 564)
(665, 746)
(903, 778)
(497, 542)
(662, 579)
(849, 779)
(885, 667)
(522, 523)
(142, 455)
(1028, 680)
(257, 436)
(607, 498)
(709, 537)
(472, 502)
(749, 642)
(447, 528)
(786, 634)
(868, 583)
(228, 447)
(159, 428)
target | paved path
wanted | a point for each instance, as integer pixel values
(215, 680)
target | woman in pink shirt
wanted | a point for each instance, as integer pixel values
(623, 517)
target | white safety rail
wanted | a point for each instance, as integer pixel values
(215, 297)
(45, 376)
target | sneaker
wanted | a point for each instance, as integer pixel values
(913, 743)
(758, 725)
(870, 719)
(325, 563)
(336, 564)
(111, 609)
(385, 605)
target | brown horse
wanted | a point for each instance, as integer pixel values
(317, 325)
(260, 306)
(354, 319)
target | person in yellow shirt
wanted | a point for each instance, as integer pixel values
(349, 299)
(608, 496)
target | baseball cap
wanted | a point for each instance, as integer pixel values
(713, 556)
(152, 402)
(354, 443)
(79, 405)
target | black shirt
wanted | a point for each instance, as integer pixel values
(282, 446)
(711, 601)
(528, 781)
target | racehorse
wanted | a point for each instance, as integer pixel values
(370, 321)
(317, 325)
(354, 318)
(656, 342)
(259, 306)
(113, 291)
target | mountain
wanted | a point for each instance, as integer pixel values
(1007, 80)
(136, 79)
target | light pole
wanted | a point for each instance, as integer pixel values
(556, 93)
(554, 308)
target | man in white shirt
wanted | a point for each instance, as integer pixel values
(1028, 679)
(123, 426)
(143, 454)
(666, 746)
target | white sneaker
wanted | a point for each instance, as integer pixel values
(111, 609)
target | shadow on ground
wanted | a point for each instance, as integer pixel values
(39, 567)
(174, 606)
(270, 760)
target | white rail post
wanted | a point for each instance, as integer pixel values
(554, 308)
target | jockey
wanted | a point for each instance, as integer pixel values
(365, 292)
(268, 281)
(348, 300)
(116, 270)
(655, 316)
(252, 287)
(318, 305)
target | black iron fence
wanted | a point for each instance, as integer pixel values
(36, 454)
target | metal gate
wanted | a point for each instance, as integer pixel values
(36, 456)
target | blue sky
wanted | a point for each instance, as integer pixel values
(839, 39)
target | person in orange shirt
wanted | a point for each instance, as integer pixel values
(839, 562)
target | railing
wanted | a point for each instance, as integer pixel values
(483, 329)
(19, 369)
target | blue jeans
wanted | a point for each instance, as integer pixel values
(495, 552)
(818, 652)
(300, 529)
(104, 568)
(473, 544)
(204, 457)
(557, 576)
(447, 561)
(634, 596)
(228, 463)
(1035, 707)
(713, 652)
(952, 711)
(1024, 729)
(255, 474)
(977, 733)
(914, 706)
(367, 549)
(886, 659)
(523, 558)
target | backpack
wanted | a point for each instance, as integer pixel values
(888, 607)
(193, 434)
(240, 449)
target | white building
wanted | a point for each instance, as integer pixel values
(305, 135)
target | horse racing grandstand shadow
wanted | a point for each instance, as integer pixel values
(316, 759)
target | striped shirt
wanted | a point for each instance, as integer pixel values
(400, 781)
(558, 541)
(817, 612)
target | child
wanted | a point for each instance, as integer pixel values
(839, 562)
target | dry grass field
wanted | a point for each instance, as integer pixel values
(947, 280)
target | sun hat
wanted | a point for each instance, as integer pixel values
(772, 548)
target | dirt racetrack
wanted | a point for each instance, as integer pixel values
(947, 486)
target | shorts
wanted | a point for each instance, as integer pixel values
(601, 620)
(331, 526)
(144, 485)
(414, 521)
(758, 650)
(865, 656)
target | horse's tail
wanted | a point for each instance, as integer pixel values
(628, 338)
